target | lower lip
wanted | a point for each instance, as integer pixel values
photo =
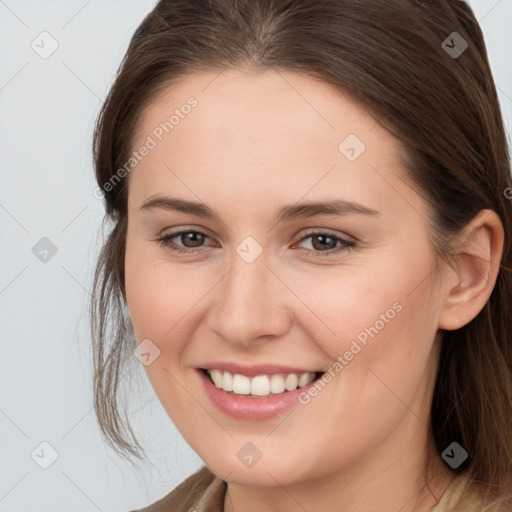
(251, 409)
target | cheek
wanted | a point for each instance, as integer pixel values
(384, 326)
(161, 297)
(381, 314)
(150, 300)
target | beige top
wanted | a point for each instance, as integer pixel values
(204, 492)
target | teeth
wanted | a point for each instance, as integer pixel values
(276, 384)
(261, 385)
(291, 382)
(216, 376)
(227, 381)
(241, 384)
(304, 380)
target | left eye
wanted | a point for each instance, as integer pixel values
(322, 243)
(327, 242)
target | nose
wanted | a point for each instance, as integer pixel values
(251, 304)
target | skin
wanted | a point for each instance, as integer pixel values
(256, 141)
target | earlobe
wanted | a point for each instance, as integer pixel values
(475, 270)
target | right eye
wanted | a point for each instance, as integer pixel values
(186, 236)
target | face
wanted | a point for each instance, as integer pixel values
(305, 255)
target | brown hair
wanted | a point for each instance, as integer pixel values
(388, 54)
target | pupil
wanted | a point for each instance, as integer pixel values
(190, 237)
(322, 237)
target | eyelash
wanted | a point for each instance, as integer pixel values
(346, 245)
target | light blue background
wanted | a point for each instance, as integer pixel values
(47, 111)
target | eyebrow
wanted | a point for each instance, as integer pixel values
(295, 211)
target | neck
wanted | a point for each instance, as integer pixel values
(394, 483)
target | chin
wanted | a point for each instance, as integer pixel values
(266, 472)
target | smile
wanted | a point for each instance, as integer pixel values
(260, 385)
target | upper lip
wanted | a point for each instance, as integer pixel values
(254, 370)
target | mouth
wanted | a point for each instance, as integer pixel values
(259, 386)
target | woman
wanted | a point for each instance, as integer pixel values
(311, 253)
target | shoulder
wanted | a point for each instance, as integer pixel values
(200, 492)
(460, 496)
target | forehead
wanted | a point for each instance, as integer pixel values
(249, 106)
(260, 129)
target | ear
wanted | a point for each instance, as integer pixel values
(473, 276)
